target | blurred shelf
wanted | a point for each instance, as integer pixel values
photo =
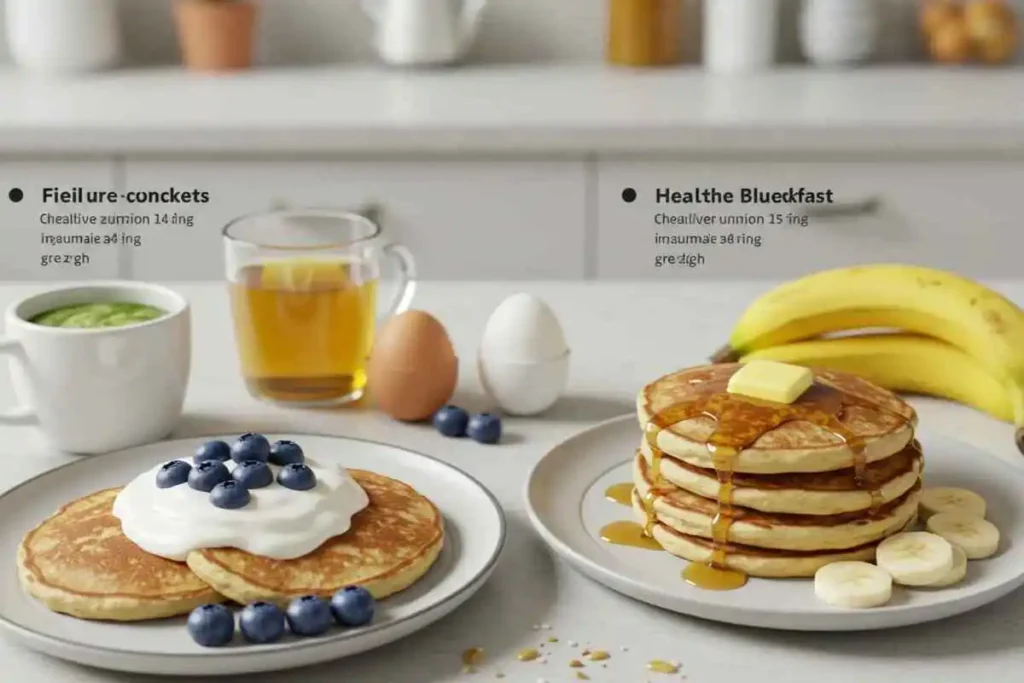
(515, 109)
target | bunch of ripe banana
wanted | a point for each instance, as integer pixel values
(953, 338)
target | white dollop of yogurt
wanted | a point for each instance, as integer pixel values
(278, 522)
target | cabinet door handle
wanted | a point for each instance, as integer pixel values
(852, 209)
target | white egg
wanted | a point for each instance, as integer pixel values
(523, 361)
(523, 328)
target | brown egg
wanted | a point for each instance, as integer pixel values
(951, 44)
(413, 369)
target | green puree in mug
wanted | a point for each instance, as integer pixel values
(98, 315)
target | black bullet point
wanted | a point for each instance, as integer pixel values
(16, 195)
(629, 195)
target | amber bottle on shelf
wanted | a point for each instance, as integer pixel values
(644, 32)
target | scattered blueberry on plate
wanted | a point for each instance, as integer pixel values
(484, 428)
(211, 625)
(213, 450)
(352, 606)
(230, 495)
(253, 474)
(172, 473)
(261, 622)
(309, 616)
(286, 452)
(208, 474)
(451, 421)
(250, 447)
(297, 477)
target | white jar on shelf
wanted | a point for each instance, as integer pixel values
(740, 35)
(839, 32)
(63, 36)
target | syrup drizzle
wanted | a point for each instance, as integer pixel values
(628, 533)
(739, 422)
(620, 493)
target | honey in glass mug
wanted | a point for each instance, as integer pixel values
(304, 327)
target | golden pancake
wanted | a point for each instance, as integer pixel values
(693, 515)
(817, 433)
(391, 544)
(809, 493)
(761, 562)
(78, 562)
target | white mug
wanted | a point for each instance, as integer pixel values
(92, 390)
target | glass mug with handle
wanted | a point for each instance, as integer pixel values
(303, 287)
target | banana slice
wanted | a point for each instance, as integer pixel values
(915, 558)
(979, 538)
(950, 499)
(957, 573)
(852, 584)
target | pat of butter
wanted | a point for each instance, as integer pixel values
(770, 380)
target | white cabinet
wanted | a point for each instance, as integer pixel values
(43, 240)
(961, 215)
(462, 219)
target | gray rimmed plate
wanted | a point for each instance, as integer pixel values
(565, 499)
(474, 536)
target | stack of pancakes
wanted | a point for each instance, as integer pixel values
(794, 494)
(78, 561)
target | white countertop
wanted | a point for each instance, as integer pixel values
(521, 108)
(530, 587)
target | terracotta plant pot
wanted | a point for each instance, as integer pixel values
(216, 35)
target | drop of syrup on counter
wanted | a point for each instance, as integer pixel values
(473, 656)
(528, 655)
(660, 666)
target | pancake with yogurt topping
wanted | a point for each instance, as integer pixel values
(391, 545)
(278, 522)
(78, 562)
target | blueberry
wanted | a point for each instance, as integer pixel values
(172, 473)
(213, 450)
(211, 625)
(309, 615)
(230, 495)
(485, 428)
(285, 453)
(261, 622)
(451, 421)
(253, 474)
(352, 606)
(297, 477)
(250, 447)
(208, 474)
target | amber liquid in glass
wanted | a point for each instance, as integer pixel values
(304, 329)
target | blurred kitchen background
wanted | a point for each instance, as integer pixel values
(532, 161)
(328, 31)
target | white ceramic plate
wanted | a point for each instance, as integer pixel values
(566, 503)
(474, 529)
